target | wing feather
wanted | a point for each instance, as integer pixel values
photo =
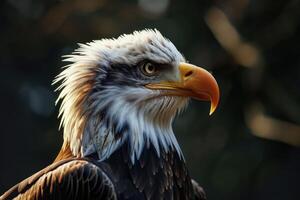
(71, 179)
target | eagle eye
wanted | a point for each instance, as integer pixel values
(148, 69)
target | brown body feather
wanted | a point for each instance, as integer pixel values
(151, 177)
(66, 179)
(64, 153)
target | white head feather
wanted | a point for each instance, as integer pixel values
(86, 129)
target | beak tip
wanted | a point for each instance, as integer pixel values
(212, 110)
(213, 107)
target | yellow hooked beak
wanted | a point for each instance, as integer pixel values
(194, 82)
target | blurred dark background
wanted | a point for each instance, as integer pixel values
(249, 149)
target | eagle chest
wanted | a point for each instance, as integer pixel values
(150, 177)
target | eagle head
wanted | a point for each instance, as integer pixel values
(127, 89)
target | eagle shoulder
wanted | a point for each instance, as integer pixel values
(67, 179)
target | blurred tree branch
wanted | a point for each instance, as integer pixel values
(247, 55)
(270, 128)
(243, 53)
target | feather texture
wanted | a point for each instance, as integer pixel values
(67, 179)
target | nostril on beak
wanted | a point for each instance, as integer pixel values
(189, 73)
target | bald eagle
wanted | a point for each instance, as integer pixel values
(118, 101)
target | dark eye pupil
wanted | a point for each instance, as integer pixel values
(150, 67)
